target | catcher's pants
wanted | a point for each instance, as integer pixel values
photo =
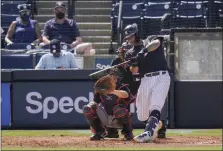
(152, 94)
(107, 120)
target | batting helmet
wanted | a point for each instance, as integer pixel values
(130, 30)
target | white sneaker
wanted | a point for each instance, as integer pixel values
(143, 138)
(146, 137)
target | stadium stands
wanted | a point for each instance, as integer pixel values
(152, 17)
(190, 14)
(9, 12)
(147, 14)
(17, 61)
(218, 7)
(131, 13)
(6, 19)
(9, 8)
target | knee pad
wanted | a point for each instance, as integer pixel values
(119, 111)
(89, 110)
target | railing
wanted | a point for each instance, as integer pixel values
(119, 25)
(71, 7)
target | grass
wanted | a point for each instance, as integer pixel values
(212, 132)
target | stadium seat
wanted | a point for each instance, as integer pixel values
(9, 8)
(17, 46)
(190, 14)
(152, 17)
(38, 56)
(17, 61)
(14, 1)
(218, 19)
(6, 19)
(158, 1)
(131, 13)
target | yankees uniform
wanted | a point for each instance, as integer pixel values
(153, 90)
(137, 45)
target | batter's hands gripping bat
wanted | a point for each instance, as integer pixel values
(103, 72)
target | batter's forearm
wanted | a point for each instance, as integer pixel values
(153, 45)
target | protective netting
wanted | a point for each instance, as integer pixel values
(157, 16)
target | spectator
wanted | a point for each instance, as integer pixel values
(65, 30)
(57, 58)
(24, 29)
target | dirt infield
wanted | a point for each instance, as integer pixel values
(83, 142)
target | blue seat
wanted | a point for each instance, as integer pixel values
(38, 56)
(17, 61)
(17, 46)
(131, 13)
(152, 17)
(15, 1)
(130, 1)
(6, 20)
(218, 18)
(9, 8)
(190, 14)
(158, 1)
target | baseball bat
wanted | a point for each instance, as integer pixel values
(109, 68)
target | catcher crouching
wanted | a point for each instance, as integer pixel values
(109, 110)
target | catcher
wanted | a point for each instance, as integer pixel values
(108, 110)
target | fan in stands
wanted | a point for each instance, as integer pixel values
(65, 30)
(23, 31)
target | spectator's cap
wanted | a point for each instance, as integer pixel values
(24, 7)
(130, 30)
(60, 4)
(55, 46)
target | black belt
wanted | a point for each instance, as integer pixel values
(154, 73)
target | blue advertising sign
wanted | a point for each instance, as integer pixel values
(5, 103)
(53, 104)
(102, 63)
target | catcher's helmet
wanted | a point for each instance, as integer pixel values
(130, 30)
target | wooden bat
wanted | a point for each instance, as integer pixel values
(103, 71)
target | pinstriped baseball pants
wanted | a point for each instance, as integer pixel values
(152, 94)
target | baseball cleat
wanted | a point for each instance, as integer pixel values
(128, 136)
(98, 136)
(162, 131)
(143, 138)
(150, 135)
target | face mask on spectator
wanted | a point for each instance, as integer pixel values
(25, 16)
(60, 15)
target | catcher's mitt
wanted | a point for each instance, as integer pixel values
(105, 85)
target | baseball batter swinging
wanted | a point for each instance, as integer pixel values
(152, 66)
